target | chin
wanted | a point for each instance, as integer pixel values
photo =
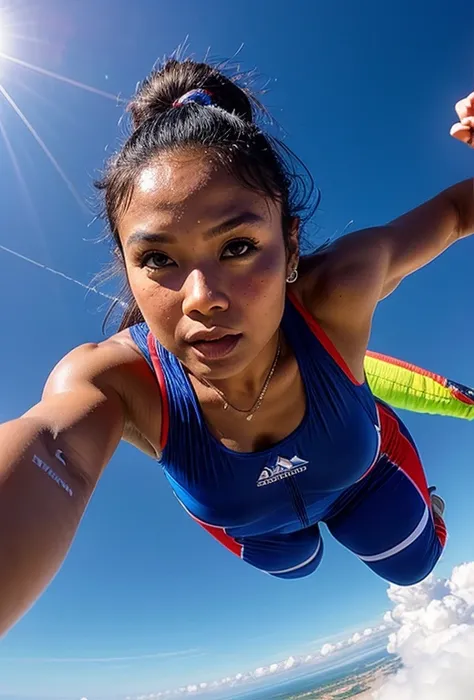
(219, 368)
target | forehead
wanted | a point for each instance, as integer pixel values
(188, 187)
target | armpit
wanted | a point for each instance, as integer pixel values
(134, 437)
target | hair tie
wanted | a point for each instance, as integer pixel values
(199, 95)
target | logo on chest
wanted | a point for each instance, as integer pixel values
(281, 469)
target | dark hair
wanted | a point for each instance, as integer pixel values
(228, 129)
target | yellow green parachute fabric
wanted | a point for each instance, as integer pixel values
(406, 386)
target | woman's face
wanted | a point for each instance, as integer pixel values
(206, 263)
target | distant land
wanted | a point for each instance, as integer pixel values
(358, 685)
(354, 679)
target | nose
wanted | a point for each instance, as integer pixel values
(203, 294)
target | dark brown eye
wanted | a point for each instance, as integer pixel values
(239, 248)
(155, 261)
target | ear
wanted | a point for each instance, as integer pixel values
(293, 243)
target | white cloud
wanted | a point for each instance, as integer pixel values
(259, 672)
(291, 662)
(282, 666)
(434, 638)
(106, 659)
(327, 649)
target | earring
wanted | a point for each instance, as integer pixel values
(293, 276)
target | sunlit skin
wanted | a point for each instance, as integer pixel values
(463, 130)
(202, 253)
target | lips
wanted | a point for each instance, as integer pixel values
(215, 349)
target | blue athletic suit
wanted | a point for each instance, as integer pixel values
(351, 464)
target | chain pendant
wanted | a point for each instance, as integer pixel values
(259, 400)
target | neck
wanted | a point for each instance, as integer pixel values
(243, 389)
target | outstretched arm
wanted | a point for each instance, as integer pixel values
(406, 386)
(50, 461)
(343, 284)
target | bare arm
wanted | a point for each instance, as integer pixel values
(50, 461)
(343, 286)
(416, 238)
(346, 282)
(387, 254)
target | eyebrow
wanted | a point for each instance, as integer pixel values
(245, 218)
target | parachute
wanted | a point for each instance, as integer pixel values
(406, 386)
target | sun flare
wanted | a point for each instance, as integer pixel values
(13, 34)
(3, 31)
(7, 31)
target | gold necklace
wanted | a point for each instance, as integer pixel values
(251, 411)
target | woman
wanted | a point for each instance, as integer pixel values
(238, 364)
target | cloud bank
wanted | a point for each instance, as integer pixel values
(434, 638)
(317, 659)
(430, 627)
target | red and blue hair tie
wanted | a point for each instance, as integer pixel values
(198, 95)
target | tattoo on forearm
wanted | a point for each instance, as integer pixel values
(51, 473)
(60, 455)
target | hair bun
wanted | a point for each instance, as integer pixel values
(166, 87)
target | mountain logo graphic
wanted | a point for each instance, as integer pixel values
(281, 469)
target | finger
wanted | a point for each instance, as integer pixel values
(463, 132)
(465, 107)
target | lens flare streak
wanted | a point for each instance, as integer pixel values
(62, 78)
(60, 274)
(6, 58)
(44, 148)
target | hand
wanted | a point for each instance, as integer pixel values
(463, 130)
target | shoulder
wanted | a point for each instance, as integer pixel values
(117, 366)
(100, 362)
(340, 287)
(342, 283)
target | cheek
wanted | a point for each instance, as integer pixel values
(265, 278)
(150, 297)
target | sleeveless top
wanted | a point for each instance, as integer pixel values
(292, 484)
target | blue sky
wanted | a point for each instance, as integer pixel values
(147, 600)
